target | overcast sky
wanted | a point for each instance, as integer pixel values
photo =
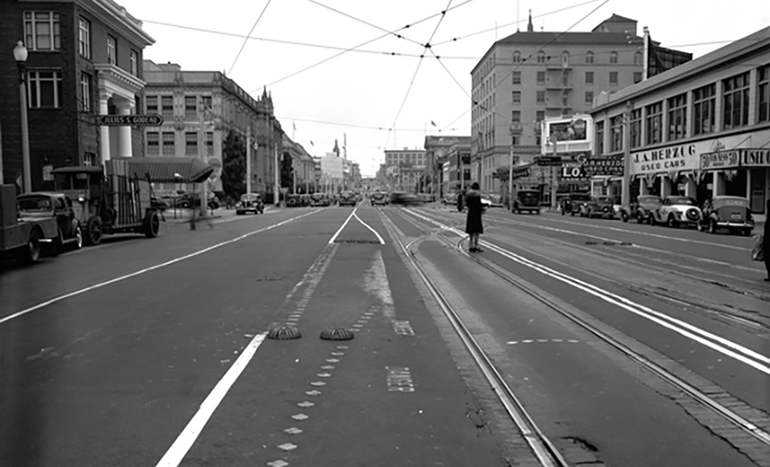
(383, 95)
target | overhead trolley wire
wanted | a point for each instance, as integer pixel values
(366, 22)
(411, 83)
(365, 43)
(249, 35)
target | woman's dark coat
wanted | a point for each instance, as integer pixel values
(473, 221)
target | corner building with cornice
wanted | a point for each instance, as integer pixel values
(85, 58)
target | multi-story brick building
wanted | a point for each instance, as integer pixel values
(302, 165)
(531, 75)
(199, 108)
(84, 58)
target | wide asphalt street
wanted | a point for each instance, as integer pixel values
(210, 347)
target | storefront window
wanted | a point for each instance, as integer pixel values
(599, 138)
(677, 117)
(616, 133)
(763, 96)
(654, 123)
(704, 102)
(757, 191)
(636, 128)
(735, 101)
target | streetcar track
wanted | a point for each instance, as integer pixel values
(541, 446)
(680, 383)
(658, 264)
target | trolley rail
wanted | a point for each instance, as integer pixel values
(544, 449)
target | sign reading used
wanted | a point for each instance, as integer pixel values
(603, 166)
(128, 120)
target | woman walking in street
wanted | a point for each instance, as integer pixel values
(473, 225)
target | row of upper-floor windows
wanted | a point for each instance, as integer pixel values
(42, 34)
(589, 57)
(667, 119)
(194, 106)
(164, 143)
(488, 103)
(589, 77)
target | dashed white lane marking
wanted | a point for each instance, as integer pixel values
(542, 341)
(146, 270)
(376, 284)
(187, 437)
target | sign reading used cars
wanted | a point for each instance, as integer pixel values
(128, 120)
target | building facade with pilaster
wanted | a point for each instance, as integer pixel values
(85, 58)
(700, 129)
(199, 108)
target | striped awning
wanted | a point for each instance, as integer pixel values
(163, 169)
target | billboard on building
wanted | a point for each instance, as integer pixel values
(574, 133)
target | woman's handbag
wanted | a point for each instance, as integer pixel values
(758, 249)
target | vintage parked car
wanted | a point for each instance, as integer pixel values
(573, 203)
(449, 198)
(347, 198)
(727, 212)
(42, 205)
(642, 208)
(605, 207)
(379, 199)
(250, 202)
(527, 200)
(675, 211)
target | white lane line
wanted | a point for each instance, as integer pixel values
(685, 240)
(718, 343)
(142, 271)
(187, 437)
(641, 247)
(382, 242)
(334, 237)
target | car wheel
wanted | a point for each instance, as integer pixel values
(746, 232)
(152, 225)
(712, 226)
(572, 213)
(30, 253)
(94, 230)
(624, 216)
(639, 218)
(651, 219)
(671, 222)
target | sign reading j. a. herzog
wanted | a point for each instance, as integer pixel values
(682, 157)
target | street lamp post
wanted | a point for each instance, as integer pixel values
(20, 54)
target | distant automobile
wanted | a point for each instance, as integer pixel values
(41, 205)
(676, 211)
(379, 198)
(449, 198)
(573, 203)
(727, 212)
(527, 200)
(250, 202)
(320, 199)
(347, 198)
(642, 208)
(600, 206)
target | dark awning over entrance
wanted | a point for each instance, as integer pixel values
(166, 169)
